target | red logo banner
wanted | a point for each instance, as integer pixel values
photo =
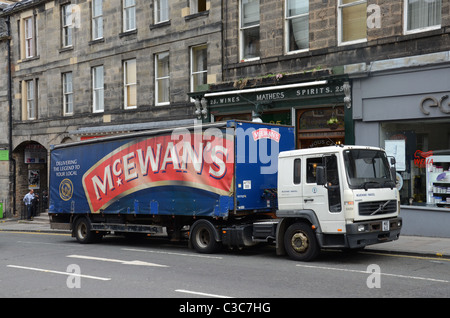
(193, 160)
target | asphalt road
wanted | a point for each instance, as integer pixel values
(53, 266)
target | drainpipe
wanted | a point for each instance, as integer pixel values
(10, 120)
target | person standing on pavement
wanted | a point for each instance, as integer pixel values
(35, 206)
(28, 200)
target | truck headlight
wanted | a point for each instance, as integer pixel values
(361, 228)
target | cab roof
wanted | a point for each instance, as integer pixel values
(323, 150)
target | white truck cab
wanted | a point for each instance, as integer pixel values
(335, 197)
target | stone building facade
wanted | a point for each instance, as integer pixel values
(6, 182)
(89, 68)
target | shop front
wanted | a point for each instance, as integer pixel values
(316, 109)
(407, 112)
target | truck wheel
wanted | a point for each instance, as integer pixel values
(203, 238)
(301, 243)
(83, 233)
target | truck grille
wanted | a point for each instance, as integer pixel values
(377, 207)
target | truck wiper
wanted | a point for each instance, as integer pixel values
(390, 183)
(365, 184)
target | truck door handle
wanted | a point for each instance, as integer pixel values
(309, 200)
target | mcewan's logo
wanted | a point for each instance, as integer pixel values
(194, 160)
(265, 133)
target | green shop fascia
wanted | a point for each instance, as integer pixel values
(317, 104)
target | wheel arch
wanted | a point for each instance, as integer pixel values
(290, 217)
(217, 236)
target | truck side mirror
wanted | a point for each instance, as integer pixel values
(320, 175)
(393, 170)
(394, 174)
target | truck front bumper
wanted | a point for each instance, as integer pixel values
(373, 232)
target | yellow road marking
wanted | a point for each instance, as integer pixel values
(438, 258)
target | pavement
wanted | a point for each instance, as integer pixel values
(406, 245)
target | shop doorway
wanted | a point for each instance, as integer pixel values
(320, 127)
(31, 173)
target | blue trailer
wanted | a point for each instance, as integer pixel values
(216, 181)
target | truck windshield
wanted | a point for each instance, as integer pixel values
(367, 169)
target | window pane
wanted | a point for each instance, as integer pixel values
(162, 10)
(162, 78)
(354, 25)
(98, 71)
(130, 83)
(68, 93)
(67, 25)
(31, 110)
(98, 28)
(311, 165)
(299, 33)
(67, 83)
(97, 19)
(130, 76)
(250, 13)
(129, 15)
(163, 64)
(201, 5)
(297, 171)
(99, 100)
(97, 8)
(98, 89)
(28, 37)
(28, 28)
(131, 95)
(30, 90)
(163, 90)
(251, 43)
(30, 100)
(199, 79)
(199, 59)
(199, 67)
(67, 13)
(424, 13)
(297, 7)
(68, 36)
(130, 19)
(68, 102)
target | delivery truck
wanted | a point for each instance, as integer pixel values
(231, 184)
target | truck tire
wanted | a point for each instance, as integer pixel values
(83, 233)
(301, 243)
(203, 238)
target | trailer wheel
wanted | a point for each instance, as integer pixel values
(83, 233)
(203, 238)
(301, 243)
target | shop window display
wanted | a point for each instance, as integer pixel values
(419, 142)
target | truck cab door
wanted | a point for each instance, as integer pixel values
(290, 184)
(324, 200)
(315, 197)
